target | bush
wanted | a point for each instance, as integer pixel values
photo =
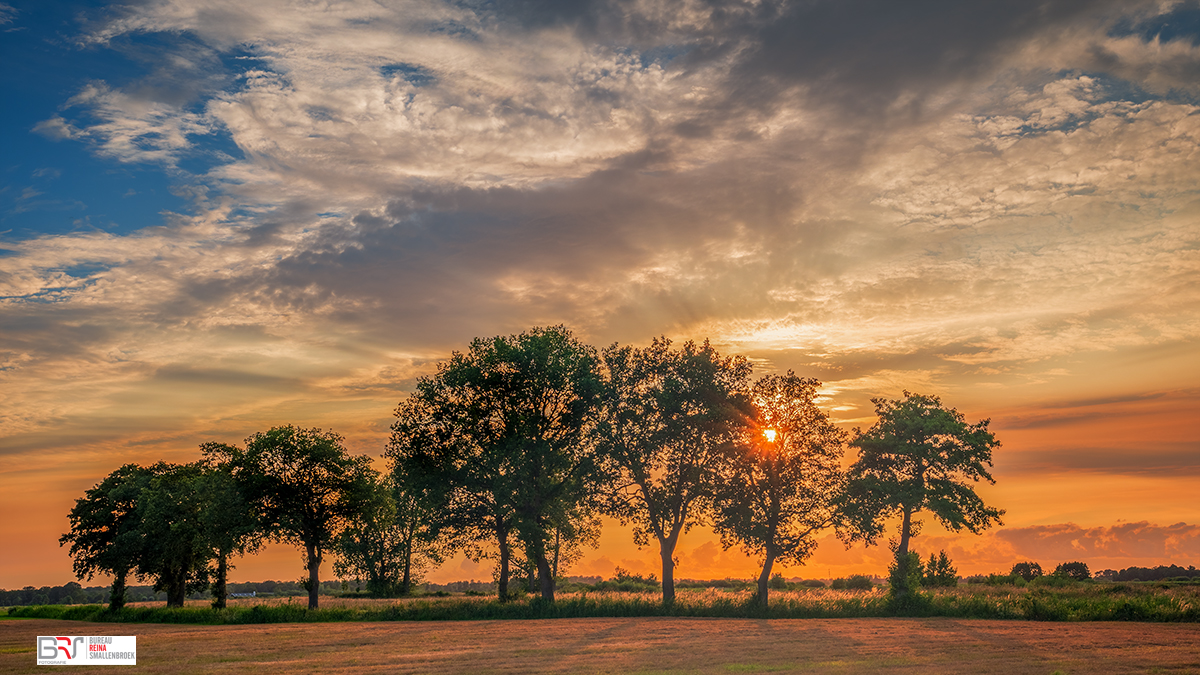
(1027, 570)
(777, 582)
(1073, 570)
(813, 583)
(904, 576)
(859, 582)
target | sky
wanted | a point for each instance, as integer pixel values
(219, 216)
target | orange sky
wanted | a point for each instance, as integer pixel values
(214, 222)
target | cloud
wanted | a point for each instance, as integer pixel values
(1126, 541)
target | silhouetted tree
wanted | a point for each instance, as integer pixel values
(391, 542)
(919, 456)
(778, 486)
(1027, 570)
(231, 525)
(506, 427)
(939, 572)
(105, 529)
(1073, 570)
(303, 486)
(670, 417)
(175, 546)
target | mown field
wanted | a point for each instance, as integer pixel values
(657, 645)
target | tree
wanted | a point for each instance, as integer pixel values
(1073, 570)
(230, 523)
(390, 542)
(303, 486)
(1027, 570)
(778, 487)
(506, 427)
(938, 572)
(105, 524)
(919, 456)
(175, 546)
(669, 417)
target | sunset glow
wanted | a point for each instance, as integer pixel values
(217, 217)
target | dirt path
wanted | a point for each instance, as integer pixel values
(640, 646)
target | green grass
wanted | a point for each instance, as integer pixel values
(1076, 602)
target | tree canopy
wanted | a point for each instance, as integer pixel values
(505, 428)
(304, 487)
(919, 456)
(777, 488)
(670, 415)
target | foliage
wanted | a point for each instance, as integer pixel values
(303, 486)
(919, 456)
(1073, 570)
(1150, 573)
(668, 416)
(938, 572)
(390, 542)
(230, 524)
(855, 582)
(1027, 570)
(904, 574)
(777, 582)
(105, 534)
(506, 429)
(774, 492)
(175, 547)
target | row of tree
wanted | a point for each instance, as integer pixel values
(513, 449)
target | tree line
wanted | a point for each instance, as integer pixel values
(513, 450)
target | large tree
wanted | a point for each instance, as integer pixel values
(778, 487)
(175, 548)
(919, 456)
(670, 415)
(230, 522)
(392, 541)
(506, 427)
(303, 485)
(105, 529)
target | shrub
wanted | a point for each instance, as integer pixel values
(777, 582)
(904, 576)
(1027, 570)
(859, 582)
(813, 583)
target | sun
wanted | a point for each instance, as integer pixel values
(770, 434)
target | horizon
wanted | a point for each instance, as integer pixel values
(220, 218)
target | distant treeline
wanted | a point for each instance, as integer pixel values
(73, 593)
(1149, 573)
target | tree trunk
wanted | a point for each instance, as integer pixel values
(905, 533)
(765, 578)
(502, 582)
(116, 599)
(545, 577)
(666, 549)
(314, 575)
(218, 588)
(406, 580)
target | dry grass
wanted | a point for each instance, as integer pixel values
(641, 645)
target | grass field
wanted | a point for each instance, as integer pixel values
(640, 645)
(1074, 602)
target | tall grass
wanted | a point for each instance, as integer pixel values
(1080, 602)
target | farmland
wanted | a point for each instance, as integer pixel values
(641, 645)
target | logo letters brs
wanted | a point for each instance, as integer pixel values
(49, 647)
